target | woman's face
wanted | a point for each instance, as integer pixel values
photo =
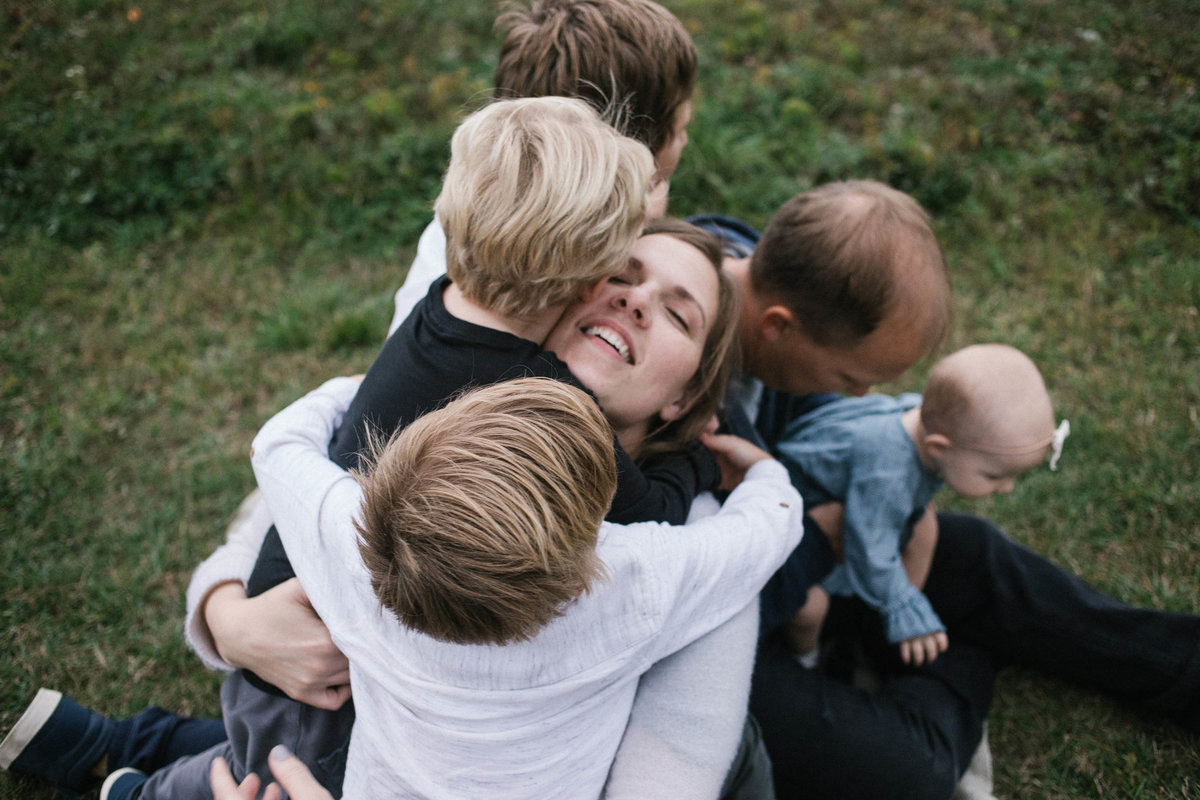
(637, 341)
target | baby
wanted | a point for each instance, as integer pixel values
(985, 418)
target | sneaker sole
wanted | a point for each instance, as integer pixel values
(28, 725)
(113, 778)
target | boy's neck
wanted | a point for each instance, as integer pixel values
(534, 328)
(916, 431)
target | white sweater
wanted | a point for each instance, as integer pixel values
(533, 719)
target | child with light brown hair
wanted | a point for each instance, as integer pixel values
(480, 525)
(985, 419)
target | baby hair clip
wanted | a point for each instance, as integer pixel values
(1056, 445)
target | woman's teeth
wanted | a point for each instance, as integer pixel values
(612, 339)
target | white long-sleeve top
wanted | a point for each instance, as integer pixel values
(532, 719)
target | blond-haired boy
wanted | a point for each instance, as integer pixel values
(541, 200)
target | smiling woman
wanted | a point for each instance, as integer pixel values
(655, 343)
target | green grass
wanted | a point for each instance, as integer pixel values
(204, 209)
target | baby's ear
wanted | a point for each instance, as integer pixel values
(936, 444)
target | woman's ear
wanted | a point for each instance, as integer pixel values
(774, 321)
(680, 407)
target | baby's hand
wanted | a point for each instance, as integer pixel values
(924, 649)
(734, 454)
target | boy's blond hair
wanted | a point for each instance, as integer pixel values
(631, 59)
(541, 200)
(479, 520)
(846, 256)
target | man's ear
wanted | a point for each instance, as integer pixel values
(774, 322)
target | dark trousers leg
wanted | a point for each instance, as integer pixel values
(154, 738)
(913, 738)
(1024, 610)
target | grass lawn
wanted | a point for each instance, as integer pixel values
(205, 208)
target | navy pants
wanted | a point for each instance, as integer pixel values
(154, 738)
(1003, 605)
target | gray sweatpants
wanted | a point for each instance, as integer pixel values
(255, 722)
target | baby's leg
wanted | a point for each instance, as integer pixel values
(803, 633)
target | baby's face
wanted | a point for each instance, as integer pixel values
(971, 473)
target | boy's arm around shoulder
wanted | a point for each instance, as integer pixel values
(711, 569)
(312, 500)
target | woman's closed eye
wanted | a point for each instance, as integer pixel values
(679, 320)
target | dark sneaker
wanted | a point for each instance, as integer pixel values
(124, 784)
(58, 740)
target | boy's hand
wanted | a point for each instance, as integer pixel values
(224, 787)
(924, 649)
(279, 637)
(287, 769)
(735, 456)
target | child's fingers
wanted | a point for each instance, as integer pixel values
(294, 776)
(224, 786)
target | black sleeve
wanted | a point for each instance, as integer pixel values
(379, 404)
(272, 566)
(664, 488)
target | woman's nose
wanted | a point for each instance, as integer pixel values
(634, 302)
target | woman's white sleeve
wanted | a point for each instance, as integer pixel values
(231, 562)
